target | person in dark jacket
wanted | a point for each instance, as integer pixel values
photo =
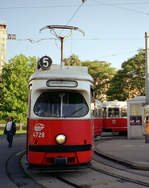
(10, 130)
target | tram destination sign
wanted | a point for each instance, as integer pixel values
(61, 83)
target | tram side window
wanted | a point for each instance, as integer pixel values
(104, 112)
(60, 104)
(113, 112)
(97, 113)
(123, 112)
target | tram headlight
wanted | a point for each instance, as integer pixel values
(60, 139)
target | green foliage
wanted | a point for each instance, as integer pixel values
(129, 82)
(109, 84)
(102, 74)
(14, 87)
(99, 70)
(73, 60)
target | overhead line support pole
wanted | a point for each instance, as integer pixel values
(146, 107)
(147, 67)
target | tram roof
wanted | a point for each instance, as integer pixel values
(66, 72)
(114, 104)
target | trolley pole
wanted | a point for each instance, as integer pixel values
(62, 42)
(146, 107)
(61, 38)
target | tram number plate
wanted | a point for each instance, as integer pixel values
(39, 134)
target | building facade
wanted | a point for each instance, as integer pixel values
(3, 43)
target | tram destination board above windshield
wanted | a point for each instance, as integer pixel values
(61, 83)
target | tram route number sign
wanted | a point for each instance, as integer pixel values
(45, 62)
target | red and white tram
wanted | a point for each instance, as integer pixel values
(115, 116)
(109, 116)
(59, 128)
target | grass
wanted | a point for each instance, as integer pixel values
(18, 132)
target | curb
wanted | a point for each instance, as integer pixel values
(134, 165)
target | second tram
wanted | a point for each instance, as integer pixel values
(97, 117)
(115, 116)
(110, 116)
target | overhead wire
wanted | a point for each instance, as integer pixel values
(75, 5)
(35, 41)
(100, 3)
(123, 3)
(117, 54)
(39, 40)
(39, 7)
(93, 39)
(73, 15)
(122, 7)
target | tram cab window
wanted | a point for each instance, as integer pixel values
(60, 104)
(113, 112)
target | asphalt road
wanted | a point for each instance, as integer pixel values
(5, 154)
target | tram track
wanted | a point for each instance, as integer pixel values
(103, 170)
(139, 177)
(70, 180)
(16, 173)
(121, 174)
(67, 182)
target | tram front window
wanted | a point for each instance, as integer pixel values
(60, 104)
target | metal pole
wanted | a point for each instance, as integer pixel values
(62, 41)
(147, 67)
(146, 107)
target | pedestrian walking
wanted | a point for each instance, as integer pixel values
(10, 130)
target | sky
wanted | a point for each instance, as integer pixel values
(114, 30)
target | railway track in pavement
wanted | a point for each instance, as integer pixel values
(99, 174)
(102, 173)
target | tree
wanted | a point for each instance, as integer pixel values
(14, 87)
(99, 70)
(102, 74)
(73, 60)
(129, 82)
